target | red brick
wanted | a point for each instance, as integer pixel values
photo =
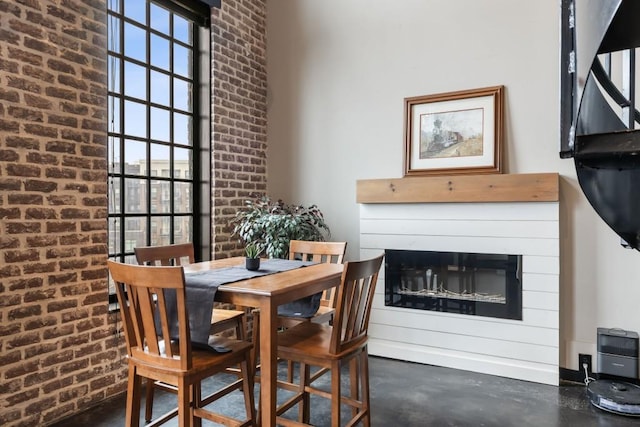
(40, 323)
(38, 102)
(22, 340)
(9, 95)
(9, 271)
(74, 239)
(41, 186)
(39, 268)
(9, 126)
(10, 358)
(57, 200)
(61, 173)
(38, 18)
(74, 366)
(41, 130)
(40, 405)
(40, 213)
(62, 93)
(9, 415)
(40, 46)
(63, 278)
(23, 142)
(64, 15)
(21, 256)
(8, 242)
(22, 227)
(39, 295)
(57, 332)
(9, 66)
(74, 57)
(53, 253)
(25, 396)
(56, 358)
(26, 283)
(30, 58)
(39, 377)
(72, 316)
(69, 81)
(76, 162)
(74, 289)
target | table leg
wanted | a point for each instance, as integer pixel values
(268, 362)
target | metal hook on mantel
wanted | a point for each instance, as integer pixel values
(392, 187)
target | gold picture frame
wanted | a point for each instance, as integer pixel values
(454, 133)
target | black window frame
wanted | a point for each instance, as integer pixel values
(198, 14)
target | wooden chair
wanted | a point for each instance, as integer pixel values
(317, 252)
(221, 319)
(329, 252)
(152, 354)
(331, 346)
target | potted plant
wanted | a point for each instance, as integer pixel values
(252, 251)
(273, 224)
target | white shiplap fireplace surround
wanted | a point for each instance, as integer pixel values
(502, 214)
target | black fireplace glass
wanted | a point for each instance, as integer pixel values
(456, 282)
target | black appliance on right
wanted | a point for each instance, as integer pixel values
(598, 129)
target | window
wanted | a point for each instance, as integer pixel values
(157, 94)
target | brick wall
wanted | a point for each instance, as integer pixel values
(239, 108)
(59, 352)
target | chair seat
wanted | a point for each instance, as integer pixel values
(323, 315)
(204, 360)
(223, 319)
(311, 342)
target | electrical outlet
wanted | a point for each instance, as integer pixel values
(582, 360)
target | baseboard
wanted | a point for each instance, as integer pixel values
(521, 370)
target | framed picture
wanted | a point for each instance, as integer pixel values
(454, 133)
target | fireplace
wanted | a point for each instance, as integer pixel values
(514, 221)
(455, 282)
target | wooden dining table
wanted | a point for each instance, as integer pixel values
(267, 293)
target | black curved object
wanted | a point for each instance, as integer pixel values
(606, 150)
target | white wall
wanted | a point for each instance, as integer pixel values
(338, 71)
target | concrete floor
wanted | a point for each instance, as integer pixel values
(408, 394)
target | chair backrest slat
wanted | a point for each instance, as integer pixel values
(353, 302)
(177, 254)
(144, 308)
(328, 252)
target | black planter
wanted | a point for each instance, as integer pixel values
(253, 264)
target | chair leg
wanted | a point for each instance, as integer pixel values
(195, 393)
(134, 386)
(255, 339)
(254, 363)
(247, 389)
(335, 394)
(290, 367)
(364, 375)
(241, 327)
(184, 406)
(354, 382)
(304, 410)
(148, 409)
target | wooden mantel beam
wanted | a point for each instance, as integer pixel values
(533, 187)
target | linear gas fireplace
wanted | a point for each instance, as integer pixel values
(456, 282)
